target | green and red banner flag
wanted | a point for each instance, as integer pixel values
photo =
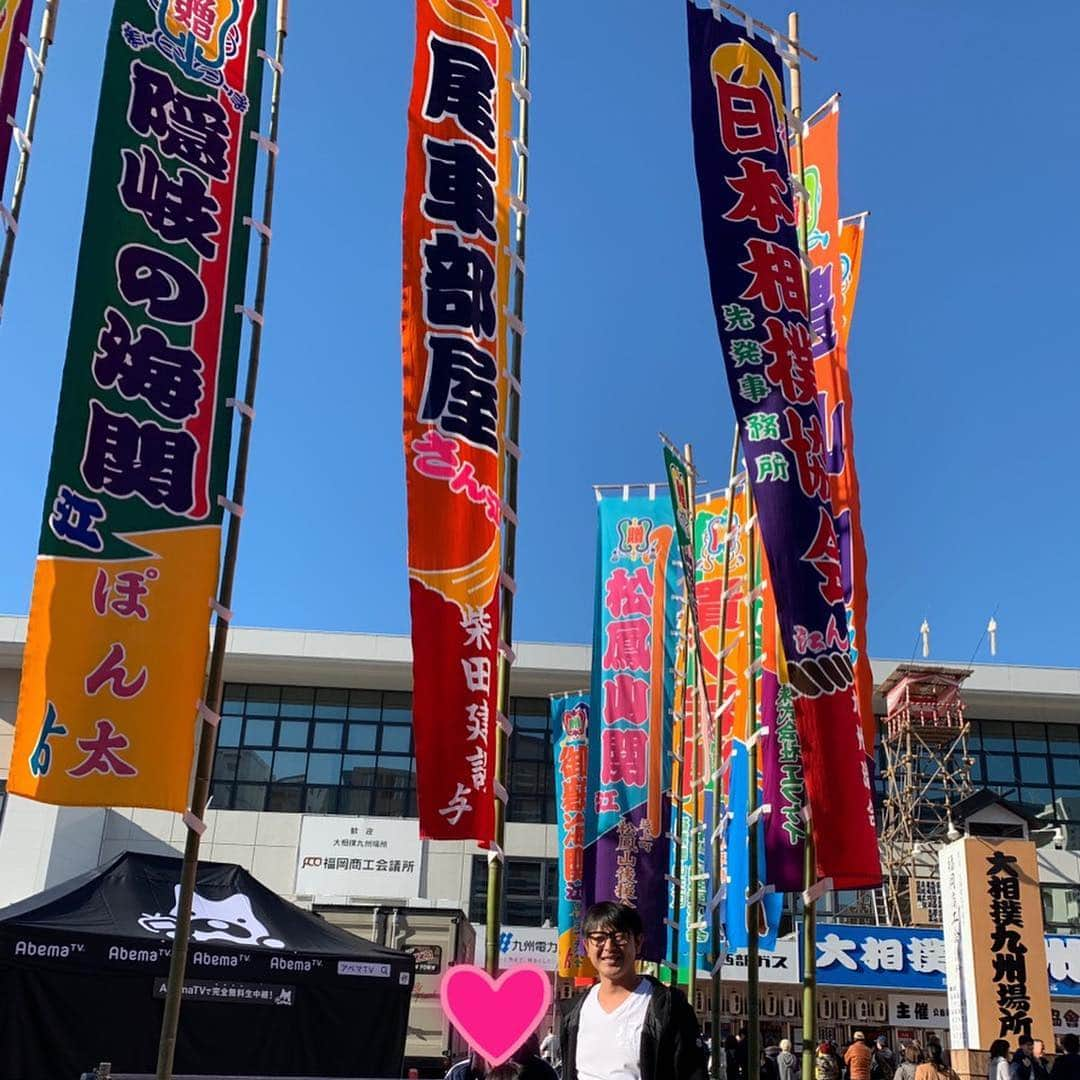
(128, 560)
(14, 24)
(454, 346)
(824, 244)
(756, 278)
(639, 592)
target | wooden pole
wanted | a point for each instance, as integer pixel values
(809, 995)
(214, 679)
(48, 34)
(696, 779)
(509, 529)
(717, 781)
(753, 1004)
(682, 688)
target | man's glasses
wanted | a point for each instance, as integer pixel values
(616, 937)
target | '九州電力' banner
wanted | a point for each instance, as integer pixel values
(128, 560)
(756, 277)
(14, 23)
(455, 295)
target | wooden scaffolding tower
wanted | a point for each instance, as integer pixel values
(927, 771)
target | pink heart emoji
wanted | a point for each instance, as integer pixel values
(495, 1015)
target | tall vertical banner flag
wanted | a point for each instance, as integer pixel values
(755, 271)
(824, 246)
(570, 735)
(454, 346)
(14, 24)
(635, 633)
(128, 559)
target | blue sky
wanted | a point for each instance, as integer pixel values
(953, 134)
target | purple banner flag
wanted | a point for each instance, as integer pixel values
(756, 277)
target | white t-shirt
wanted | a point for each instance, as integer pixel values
(609, 1043)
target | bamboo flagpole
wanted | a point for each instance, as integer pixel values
(510, 448)
(809, 898)
(753, 885)
(222, 613)
(25, 140)
(682, 662)
(718, 885)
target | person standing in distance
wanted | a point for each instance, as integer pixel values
(629, 1026)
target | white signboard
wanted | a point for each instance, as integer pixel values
(1065, 1016)
(959, 964)
(919, 1011)
(779, 965)
(376, 858)
(537, 945)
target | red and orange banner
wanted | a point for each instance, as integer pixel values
(825, 247)
(127, 568)
(455, 294)
(852, 234)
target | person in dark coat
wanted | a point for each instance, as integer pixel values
(631, 1025)
(1067, 1064)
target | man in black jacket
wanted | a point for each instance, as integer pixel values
(630, 1026)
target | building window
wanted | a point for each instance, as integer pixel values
(530, 763)
(330, 751)
(530, 892)
(1061, 909)
(317, 751)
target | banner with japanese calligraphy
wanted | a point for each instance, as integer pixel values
(14, 24)
(636, 626)
(570, 736)
(994, 944)
(128, 560)
(755, 271)
(783, 788)
(821, 150)
(454, 346)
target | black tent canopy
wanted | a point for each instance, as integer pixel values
(270, 989)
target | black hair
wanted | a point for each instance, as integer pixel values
(936, 1055)
(1025, 1039)
(1070, 1043)
(999, 1048)
(608, 915)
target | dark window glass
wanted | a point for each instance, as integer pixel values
(296, 762)
(289, 766)
(327, 736)
(978, 772)
(293, 733)
(531, 763)
(262, 700)
(320, 800)
(395, 739)
(1066, 769)
(297, 701)
(1030, 738)
(1039, 800)
(225, 763)
(530, 894)
(259, 732)
(253, 765)
(331, 704)
(996, 735)
(1068, 734)
(232, 702)
(249, 797)
(362, 737)
(285, 797)
(1000, 768)
(324, 769)
(1033, 770)
(229, 731)
(220, 795)
(354, 801)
